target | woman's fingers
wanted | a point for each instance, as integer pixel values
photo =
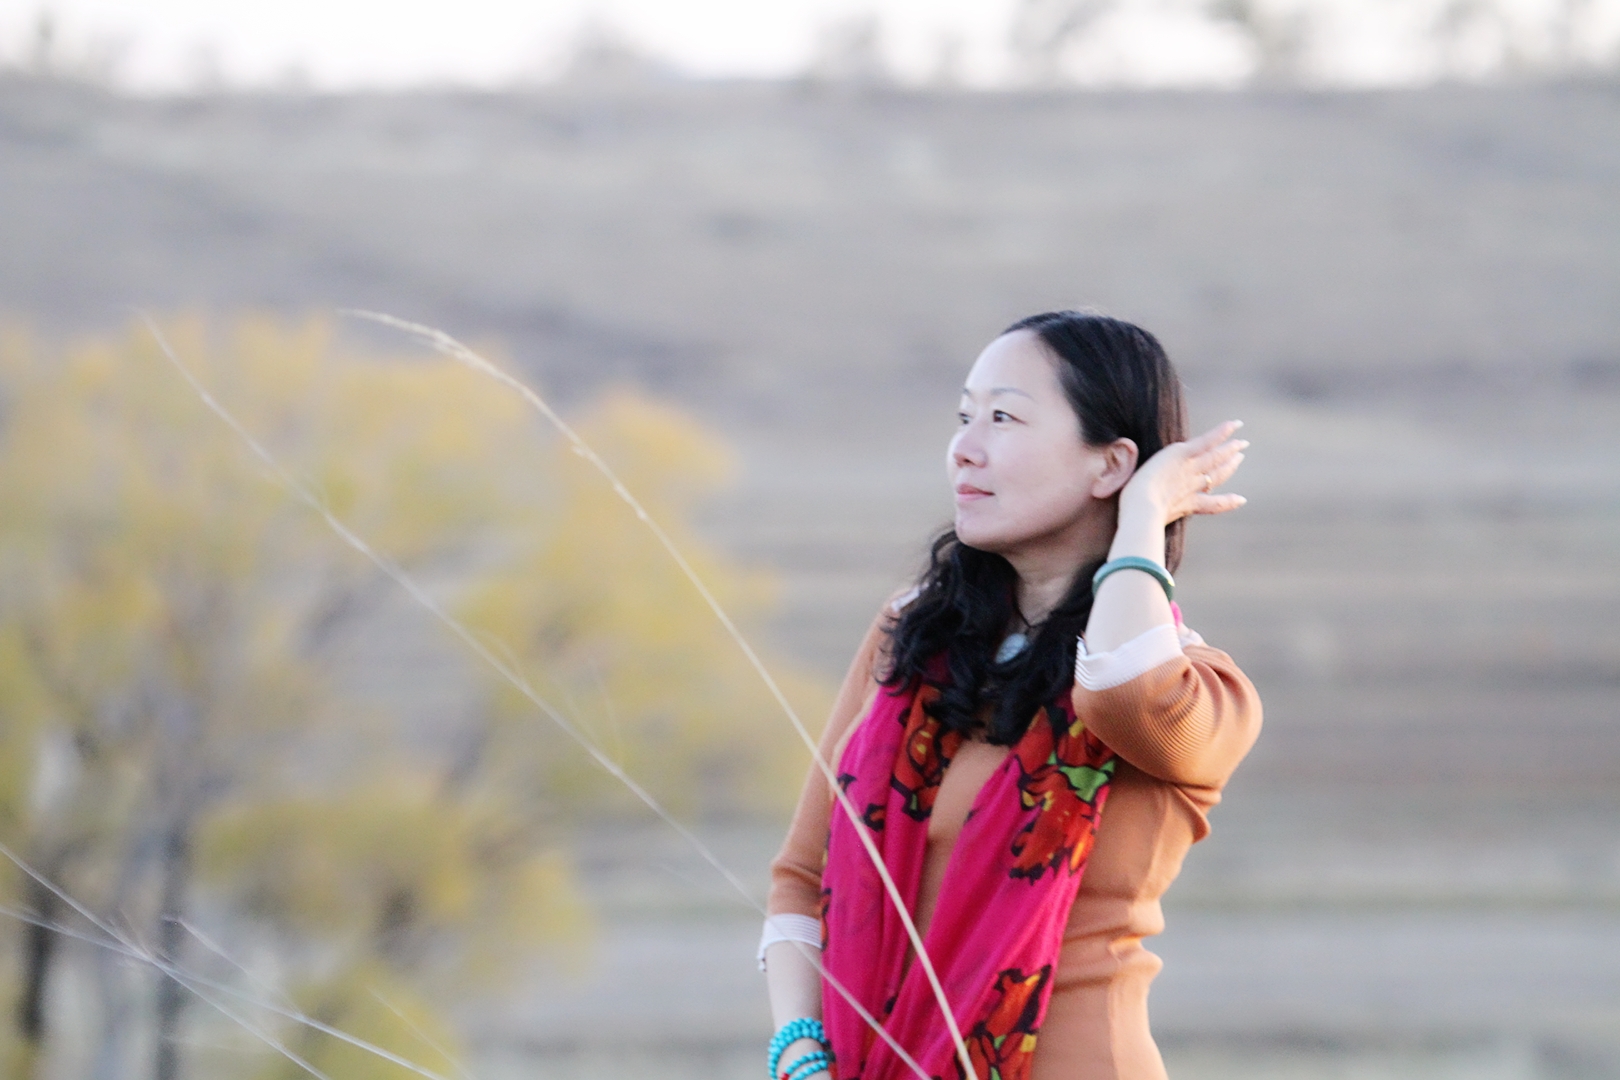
(1215, 456)
(1222, 472)
(1213, 437)
(1181, 478)
(1204, 475)
(1220, 461)
(1217, 504)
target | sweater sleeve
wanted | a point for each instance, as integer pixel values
(1187, 720)
(796, 870)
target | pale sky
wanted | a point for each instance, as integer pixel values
(343, 44)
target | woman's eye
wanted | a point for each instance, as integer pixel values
(961, 418)
(999, 416)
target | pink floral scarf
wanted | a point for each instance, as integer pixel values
(1002, 908)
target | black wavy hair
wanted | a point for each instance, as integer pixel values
(1120, 384)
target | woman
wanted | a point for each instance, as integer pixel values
(1030, 737)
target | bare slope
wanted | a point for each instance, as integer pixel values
(1409, 296)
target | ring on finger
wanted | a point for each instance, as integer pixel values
(1209, 482)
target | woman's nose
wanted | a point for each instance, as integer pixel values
(966, 449)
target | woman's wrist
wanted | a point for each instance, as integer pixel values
(1129, 603)
(1139, 531)
(1141, 497)
(799, 1050)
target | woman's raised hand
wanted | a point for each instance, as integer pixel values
(1181, 479)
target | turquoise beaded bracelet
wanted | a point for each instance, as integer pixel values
(789, 1033)
(807, 1066)
(1135, 562)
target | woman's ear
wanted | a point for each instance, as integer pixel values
(1119, 463)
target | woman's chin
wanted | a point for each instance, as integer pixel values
(976, 534)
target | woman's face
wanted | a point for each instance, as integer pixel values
(1022, 474)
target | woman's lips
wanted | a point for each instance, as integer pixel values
(969, 493)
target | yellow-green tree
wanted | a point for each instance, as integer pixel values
(602, 611)
(171, 723)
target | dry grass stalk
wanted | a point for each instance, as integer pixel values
(506, 669)
(454, 349)
(199, 986)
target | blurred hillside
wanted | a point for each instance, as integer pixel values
(1409, 297)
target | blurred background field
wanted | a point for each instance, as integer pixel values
(758, 298)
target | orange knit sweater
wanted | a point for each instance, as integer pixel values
(1179, 729)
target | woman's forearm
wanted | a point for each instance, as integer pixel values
(1177, 481)
(1130, 602)
(794, 984)
(793, 981)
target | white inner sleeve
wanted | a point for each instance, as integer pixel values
(800, 928)
(1141, 654)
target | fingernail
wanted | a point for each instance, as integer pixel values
(1236, 424)
(1243, 444)
(1241, 500)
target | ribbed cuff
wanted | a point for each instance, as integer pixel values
(800, 928)
(1138, 656)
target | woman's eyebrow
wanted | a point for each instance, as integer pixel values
(1000, 390)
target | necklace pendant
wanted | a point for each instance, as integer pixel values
(1011, 646)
